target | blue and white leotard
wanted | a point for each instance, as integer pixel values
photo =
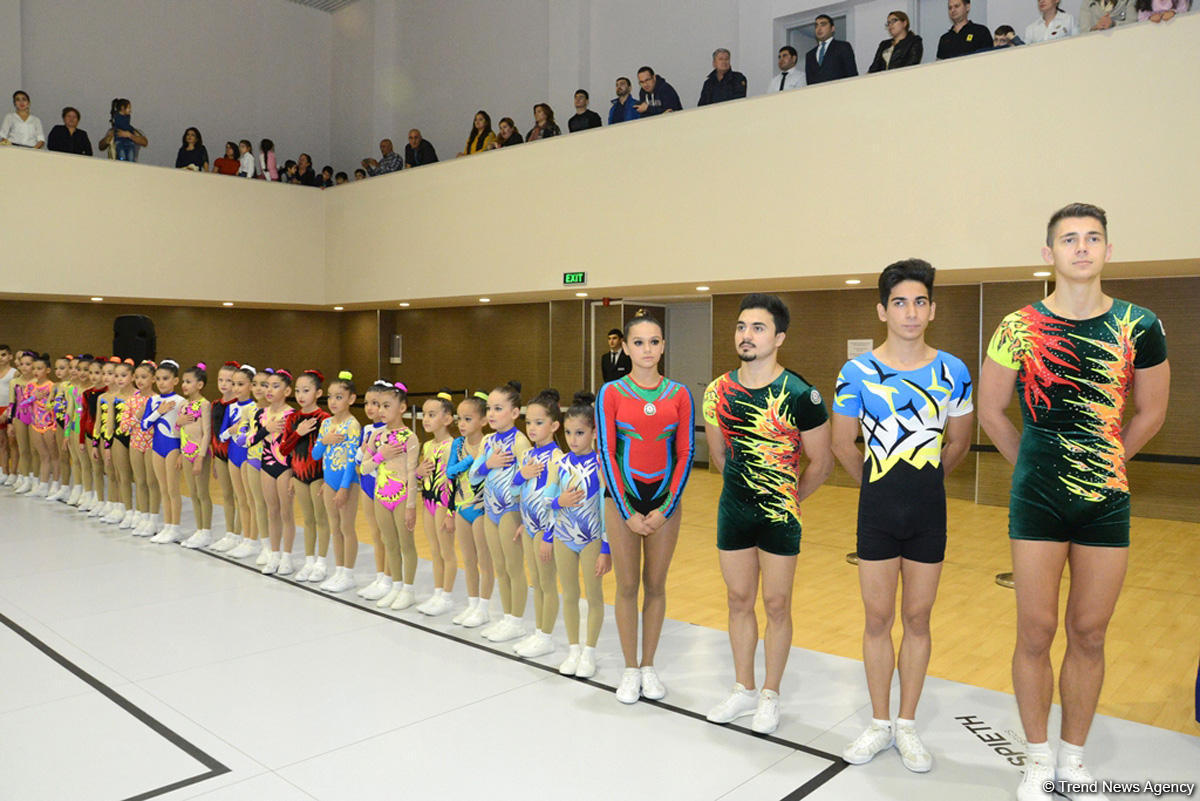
(339, 462)
(531, 493)
(497, 484)
(366, 480)
(578, 526)
(468, 493)
(231, 422)
(165, 437)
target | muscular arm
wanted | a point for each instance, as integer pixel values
(845, 432)
(716, 446)
(1151, 389)
(816, 443)
(956, 442)
(996, 385)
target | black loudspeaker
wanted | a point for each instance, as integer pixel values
(133, 337)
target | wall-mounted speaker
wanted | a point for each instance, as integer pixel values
(133, 337)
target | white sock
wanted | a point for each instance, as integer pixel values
(405, 587)
(309, 561)
(472, 603)
(320, 560)
(1069, 755)
(883, 724)
(1040, 752)
(905, 723)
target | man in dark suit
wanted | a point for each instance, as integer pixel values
(418, 151)
(831, 59)
(616, 362)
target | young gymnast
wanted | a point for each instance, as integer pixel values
(299, 436)
(22, 416)
(42, 429)
(392, 455)
(195, 438)
(80, 478)
(468, 512)
(577, 503)
(543, 418)
(382, 585)
(239, 539)
(8, 474)
(60, 482)
(437, 414)
(162, 413)
(93, 460)
(496, 466)
(258, 538)
(104, 439)
(122, 430)
(146, 493)
(276, 474)
(220, 455)
(337, 443)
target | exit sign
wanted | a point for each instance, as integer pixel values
(574, 279)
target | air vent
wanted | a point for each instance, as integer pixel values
(325, 5)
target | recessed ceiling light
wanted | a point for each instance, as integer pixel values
(405, 304)
(581, 294)
(1042, 274)
(227, 303)
(97, 300)
(485, 300)
(702, 288)
(853, 281)
(339, 308)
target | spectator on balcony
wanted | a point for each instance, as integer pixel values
(481, 136)
(229, 163)
(543, 123)
(418, 151)
(326, 179)
(623, 108)
(246, 165)
(192, 155)
(289, 174)
(1052, 23)
(267, 168)
(831, 59)
(1100, 15)
(20, 127)
(583, 118)
(341, 178)
(69, 137)
(1005, 36)
(390, 160)
(657, 96)
(107, 142)
(903, 49)
(306, 175)
(790, 76)
(724, 82)
(360, 174)
(964, 37)
(507, 135)
(1160, 10)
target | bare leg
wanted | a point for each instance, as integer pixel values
(658, 548)
(627, 568)
(877, 581)
(916, 605)
(740, 571)
(1037, 574)
(203, 494)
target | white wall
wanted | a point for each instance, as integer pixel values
(10, 47)
(233, 68)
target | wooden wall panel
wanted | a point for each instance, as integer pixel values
(568, 347)
(359, 346)
(606, 319)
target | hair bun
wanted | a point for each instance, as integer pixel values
(346, 375)
(171, 362)
(317, 374)
(379, 382)
(234, 365)
(515, 385)
(249, 368)
(202, 365)
(550, 392)
(583, 398)
(400, 386)
(483, 396)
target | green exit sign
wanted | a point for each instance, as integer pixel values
(574, 279)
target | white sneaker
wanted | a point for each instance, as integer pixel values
(244, 548)
(23, 486)
(10, 480)
(571, 663)
(264, 554)
(766, 717)
(285, 567)
(652, 686)
(176, 534)
(630, 688)
(127, 521)
(863, 749)
(1076, 773)
(189, 539)
(226, 543)
(388, 599)
(156, 524)
(405, 599)
(439, 605)
(1038, 775)
(161, 537)
(741, 702)
(202, 539)
(96, 508)
(539, 645)
(507, 629)
(341, 580)
(587, 663)
(42, 490)
(56, 492)
(458, 619)
(272, 564)
(477, 616)
(381, 588)
(76, 494)
(319, 571)
(306, 570)
(361, 590)
(913, 753)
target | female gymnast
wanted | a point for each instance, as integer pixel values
(382, 585)
(276, 474)
(60, 480)
(42, 429)
(220, 451)
(104, 439)
(122, 428)
(93, 460)
(81, 479)
(8, 470)
(308, 484)
(22, 415)
(246, 435)
(146, 493)
(195, 438)
(162, 413)
(337, 443)
(468, 512)
(437, 414)
(239, 539)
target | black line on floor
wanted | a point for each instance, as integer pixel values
(215, 767)
(800, 792)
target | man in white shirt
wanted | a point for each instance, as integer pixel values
(1053, 23)
(790, 76)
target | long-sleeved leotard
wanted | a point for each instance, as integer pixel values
(436, 487)
(165, 438)
(393, 486)
(274, 461)
(217, 411)
(579, 525)
(497, 483)
(338, 462)
(42, 402)
(234, 430)
(468, 492)
(131, 418)
(646, 442)
(536, 514)
(366, 480)
(299, 448)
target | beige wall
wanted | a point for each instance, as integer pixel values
(958, 162)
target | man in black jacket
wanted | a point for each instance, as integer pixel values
(723, 83)
(831, 59)
(964, 37)
(616, 362)
(418, 151)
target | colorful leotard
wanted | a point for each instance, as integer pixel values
(107, 429)
(23, 403)
(391, 486)
(1069, 483)
(91, 408)
(274, 462)
(234, 424)
(646, 441)
(190, 414)
(135, 408)
(498, 497)
(579, 525)
(121, 433)
(468, 496)
(58, 403)
(216, 413)
(163, 425)
(74, 402)
(366, 480)
(436, 487)
(42, 402)
(338, 464)
(536, 514)
(298, 449)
